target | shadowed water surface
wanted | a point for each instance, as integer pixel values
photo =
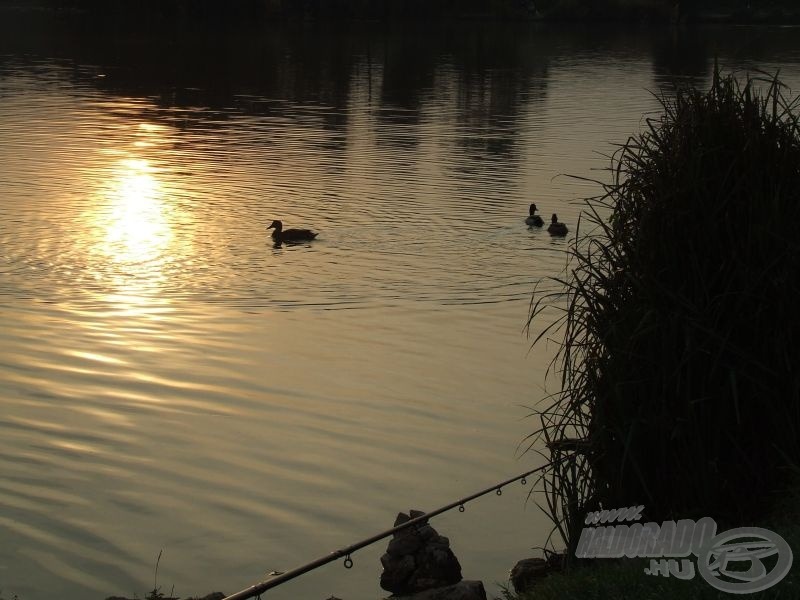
(171, 380)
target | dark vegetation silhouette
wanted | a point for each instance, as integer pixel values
(679, 366)
(301, 9)
(218, 12)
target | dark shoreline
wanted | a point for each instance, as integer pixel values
(392, 11)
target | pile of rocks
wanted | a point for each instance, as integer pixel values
(419, 562)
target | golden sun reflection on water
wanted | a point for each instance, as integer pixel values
(134, 231)
(129, 230)
(136, 221)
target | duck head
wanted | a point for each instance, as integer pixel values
(276, 224)
(554, 218)
(532, 209)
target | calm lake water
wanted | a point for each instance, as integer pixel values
(170, 380)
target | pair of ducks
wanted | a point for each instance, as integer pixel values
(555, 227)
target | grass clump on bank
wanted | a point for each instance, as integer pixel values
(679, 366)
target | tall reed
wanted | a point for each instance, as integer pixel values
(679, 362)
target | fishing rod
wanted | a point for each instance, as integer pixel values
(259, 588)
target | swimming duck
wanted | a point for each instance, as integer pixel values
(556, 228)
(290, 235)
(533, 219)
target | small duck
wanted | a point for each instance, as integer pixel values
(556, 228)
(533, 219)
(290, 235)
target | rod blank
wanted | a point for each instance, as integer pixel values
(260, 588)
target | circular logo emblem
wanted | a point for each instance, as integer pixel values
(731, 561)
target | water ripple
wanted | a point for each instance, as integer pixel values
(171, 380)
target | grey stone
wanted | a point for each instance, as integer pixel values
(396, 572)
(416, 513)
(406, 544)
(401, 518)
(527, 571)
(436, 567)
(463, 590)
(426, 532)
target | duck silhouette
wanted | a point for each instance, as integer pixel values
(533, 219)
(557, 228)
(290, 235)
